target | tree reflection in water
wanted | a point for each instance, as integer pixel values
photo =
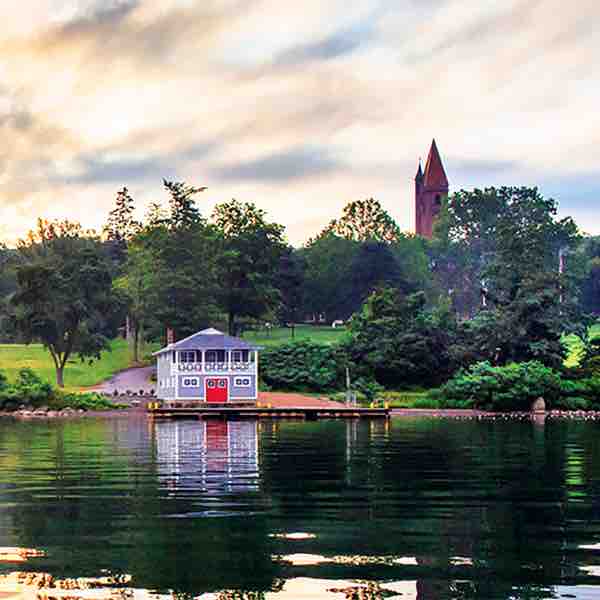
(434, 509)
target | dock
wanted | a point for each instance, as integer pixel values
(156, 411)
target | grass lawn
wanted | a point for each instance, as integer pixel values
(283, 335)
(77, 374)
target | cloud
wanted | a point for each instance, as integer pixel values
(110, 167)
(286, 165)
(308, 104)
(476, 169)
(340, 43)
(101, 14)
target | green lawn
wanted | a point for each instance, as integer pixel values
(77, 374)
(283, 335)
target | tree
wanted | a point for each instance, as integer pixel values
(590, 250)
(121, 225)
(328, 259)
(64, 292)
(504, 245)
(464, 239)
(138, 285)
(181, 247)
(399, 341)
(374, 266)
(249, 253)
(183, 211)
(365, 220)
(178, 292)
(290, 283)
(487, 241)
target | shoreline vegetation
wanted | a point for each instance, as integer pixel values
(34, 362)
(479, 313)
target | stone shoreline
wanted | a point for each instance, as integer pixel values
(136, 406)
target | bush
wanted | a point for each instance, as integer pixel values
(341, 397)
(27, 389)
(303, 365)
(410, 399)
(87, 401)
(508, 388)
(368, 388)
(30, 390)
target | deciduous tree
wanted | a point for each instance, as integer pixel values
(249, 254)
(365, 220)
(64, 292)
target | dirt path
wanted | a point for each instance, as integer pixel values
(135, 379)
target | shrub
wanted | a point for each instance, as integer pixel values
(27, 389)
(368, 388)
(303, 365)
(508, 388)
(406, 399)
(30, 390)
(341, 397)
(86, 401)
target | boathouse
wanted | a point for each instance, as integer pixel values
(208, 367)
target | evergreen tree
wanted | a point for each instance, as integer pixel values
(121, 225)
(183, 211)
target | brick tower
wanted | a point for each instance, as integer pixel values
(431, 187)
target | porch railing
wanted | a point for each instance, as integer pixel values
(214, 367)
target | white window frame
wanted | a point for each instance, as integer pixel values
(188, 356)
(237, 382)
(237, 356)
(188, 382)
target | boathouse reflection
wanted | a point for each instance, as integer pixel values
(211, 456)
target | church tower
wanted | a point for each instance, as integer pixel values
(431, 187)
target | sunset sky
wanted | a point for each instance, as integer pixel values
(297, 106)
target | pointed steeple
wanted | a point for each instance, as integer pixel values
(419, 175)
(435, 176)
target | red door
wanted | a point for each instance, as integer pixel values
(217, 389)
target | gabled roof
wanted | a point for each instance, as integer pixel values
(435, 176)
(210, 338)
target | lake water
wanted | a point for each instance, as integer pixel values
(414, 508)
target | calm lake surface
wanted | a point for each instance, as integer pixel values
(415, 509)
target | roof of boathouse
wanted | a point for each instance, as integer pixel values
(209, 339)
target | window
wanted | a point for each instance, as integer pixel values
(242, 382)
(222, 383)
(191, 382)
(239, 356)
(187, 356)
(211, 384)
(213, 356)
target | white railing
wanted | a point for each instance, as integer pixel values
(214, 367)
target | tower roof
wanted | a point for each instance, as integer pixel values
(419, 175)
(435, 176)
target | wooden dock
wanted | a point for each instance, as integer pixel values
(261, 412)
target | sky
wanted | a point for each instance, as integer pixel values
(297, 106)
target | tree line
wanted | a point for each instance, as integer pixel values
(502, 279)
